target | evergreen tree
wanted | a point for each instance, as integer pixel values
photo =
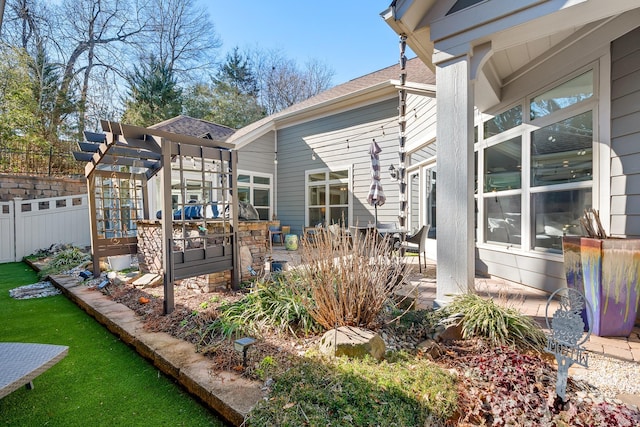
(232, 98)
(153, 95)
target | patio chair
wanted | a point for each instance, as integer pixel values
(418, 241)
(391, 231)
(336, 234)
(275, 231)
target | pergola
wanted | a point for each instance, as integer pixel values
(120, 164)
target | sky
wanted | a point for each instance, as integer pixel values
(349, 36)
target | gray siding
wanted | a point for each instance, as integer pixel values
(421, 120)
(532, 271)
(625, 135)
(339, 140)
(424, 153)
(258, 156)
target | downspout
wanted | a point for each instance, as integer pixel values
(402, 122)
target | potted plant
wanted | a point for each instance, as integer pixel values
(607, 271)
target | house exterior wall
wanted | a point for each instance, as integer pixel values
(259, 155)
(342, 141)
(625, 134)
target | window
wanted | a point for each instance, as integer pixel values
(562, 152)
(256, 189)
(328, 197)
(562, 96)
(543, 166)
(502, 122)
(502, 165)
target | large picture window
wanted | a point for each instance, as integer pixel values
(328, 197)
(540, 163)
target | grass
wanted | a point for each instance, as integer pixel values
(401, 391)
(101, 382)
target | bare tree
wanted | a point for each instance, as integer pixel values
(2, 3)
(69, 40)
(282, 83)
(96, 32)
(182, 36)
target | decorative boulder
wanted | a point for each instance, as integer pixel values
(353, 342)
(247, 212)
(449, 329)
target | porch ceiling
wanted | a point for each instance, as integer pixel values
(516, 36)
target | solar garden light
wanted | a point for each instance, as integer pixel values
(242, 345)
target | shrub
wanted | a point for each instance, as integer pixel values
(270, 305)
(499, 325)
(347, 283)
(64, 260)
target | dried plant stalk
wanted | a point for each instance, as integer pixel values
(346, 280)
(592, 225)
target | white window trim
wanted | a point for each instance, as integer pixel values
(348, 181)
(600, 167)
(251, 186)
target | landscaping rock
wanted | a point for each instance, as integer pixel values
(36, 290)
(449, 329)
(431, 349)
(353, 342)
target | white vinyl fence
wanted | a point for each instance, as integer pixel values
(29, 225)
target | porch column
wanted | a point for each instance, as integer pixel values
(455, 168)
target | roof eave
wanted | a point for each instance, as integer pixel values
(418, 37)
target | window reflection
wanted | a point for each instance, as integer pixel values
(562, 152)
(503, 165)
(557, 214)
(503, 121)
(569, 93)
(503, 219)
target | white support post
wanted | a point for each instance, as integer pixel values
(18, 227)
(455, 213)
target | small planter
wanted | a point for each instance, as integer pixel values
(119, 262)
(278, 266)
(291, 242)
(606, 271)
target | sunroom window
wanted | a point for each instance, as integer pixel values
(542, 166)
(565, 95)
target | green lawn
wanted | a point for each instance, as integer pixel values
(101, 382)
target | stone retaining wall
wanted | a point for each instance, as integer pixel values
(253, 237)
(38, 187)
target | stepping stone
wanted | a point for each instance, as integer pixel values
(148, 279)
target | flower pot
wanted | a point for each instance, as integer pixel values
(278, 266)
(607, 272)
(291, 242)
(119, 262)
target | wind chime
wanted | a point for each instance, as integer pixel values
(402, 122)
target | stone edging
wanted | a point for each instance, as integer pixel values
(227, 393)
